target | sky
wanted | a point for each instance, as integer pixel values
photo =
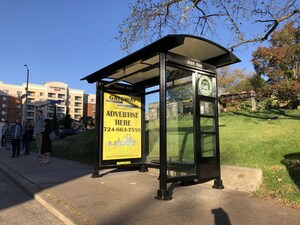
(64, 40)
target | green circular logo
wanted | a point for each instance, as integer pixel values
(205, 86)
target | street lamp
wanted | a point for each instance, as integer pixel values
(26, 97)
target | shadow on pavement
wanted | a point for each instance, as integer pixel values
(220, 216)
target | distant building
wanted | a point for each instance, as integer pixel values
(89, 106)
(44, 97)
(174, 109)
(10, 102)
(233, 100)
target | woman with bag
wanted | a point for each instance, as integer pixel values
(46, 148)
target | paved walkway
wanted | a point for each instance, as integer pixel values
(128, 197)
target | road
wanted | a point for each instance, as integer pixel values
(17, 207)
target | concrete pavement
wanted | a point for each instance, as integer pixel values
(128, 197)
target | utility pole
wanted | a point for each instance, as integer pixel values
(26, 97)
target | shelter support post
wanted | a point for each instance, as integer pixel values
(99, 121)
(163, 193)
(218, 183)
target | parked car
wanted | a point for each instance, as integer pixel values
(66, 132)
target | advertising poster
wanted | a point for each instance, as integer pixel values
(121, 127)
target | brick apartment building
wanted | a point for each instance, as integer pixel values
(12, 101)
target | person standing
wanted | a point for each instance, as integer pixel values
(4, 128)
(38, 129)
(7, 138)
(16, 132)
(46, 148)
(27, 136)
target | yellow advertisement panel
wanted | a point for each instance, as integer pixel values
(121, 127)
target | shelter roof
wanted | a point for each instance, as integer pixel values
(143, 65)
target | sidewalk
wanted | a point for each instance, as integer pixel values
(128, 197)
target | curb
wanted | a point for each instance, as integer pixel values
(238, 178)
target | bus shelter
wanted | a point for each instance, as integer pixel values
(158, 108)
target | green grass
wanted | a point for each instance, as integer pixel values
(268, 140)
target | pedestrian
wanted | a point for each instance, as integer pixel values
(27, 136)
(17, 133)
(38, 129)
(46, 148)
(4, 128)
(8, 138)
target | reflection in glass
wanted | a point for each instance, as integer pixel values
(207, 108)
(207, 124)
(208, 145)
(152, 127)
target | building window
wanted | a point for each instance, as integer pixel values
(6, 91)
(42, 94)
(50, 108)
(78, 98)
(31, 100)
(51, 95)
(18, 106)
(77, 104)
(4, 112)
(77, 117)
(61, 96)
(4, 98)
(60, 109)
(77, 110)
(31, 93)
(30, 114)
(92, 100)
(4, 105)
(30, 107)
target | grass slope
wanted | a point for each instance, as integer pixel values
(270, 141)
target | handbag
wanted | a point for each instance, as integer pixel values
(52, 136)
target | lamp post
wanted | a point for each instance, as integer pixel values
(26, 97)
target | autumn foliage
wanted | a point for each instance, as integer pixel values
(279, 65)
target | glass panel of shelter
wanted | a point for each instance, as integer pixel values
(180, 120)
(207, 115)
(181, 155)
(180, 140)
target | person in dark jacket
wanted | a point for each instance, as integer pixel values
(27, 136)
(46, 148)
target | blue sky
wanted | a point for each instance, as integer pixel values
(64, 40)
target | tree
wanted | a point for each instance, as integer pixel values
(152, 19)
(228, 79)
(237, 81)
(279, 63)
(87, 121)
(54, 119)
(67, 120)
(179, 88)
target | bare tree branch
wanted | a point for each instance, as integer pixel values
(274, 24)
(150, 19)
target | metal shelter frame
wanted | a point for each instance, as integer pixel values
(133, 74)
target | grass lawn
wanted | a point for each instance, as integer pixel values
(268, 140)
